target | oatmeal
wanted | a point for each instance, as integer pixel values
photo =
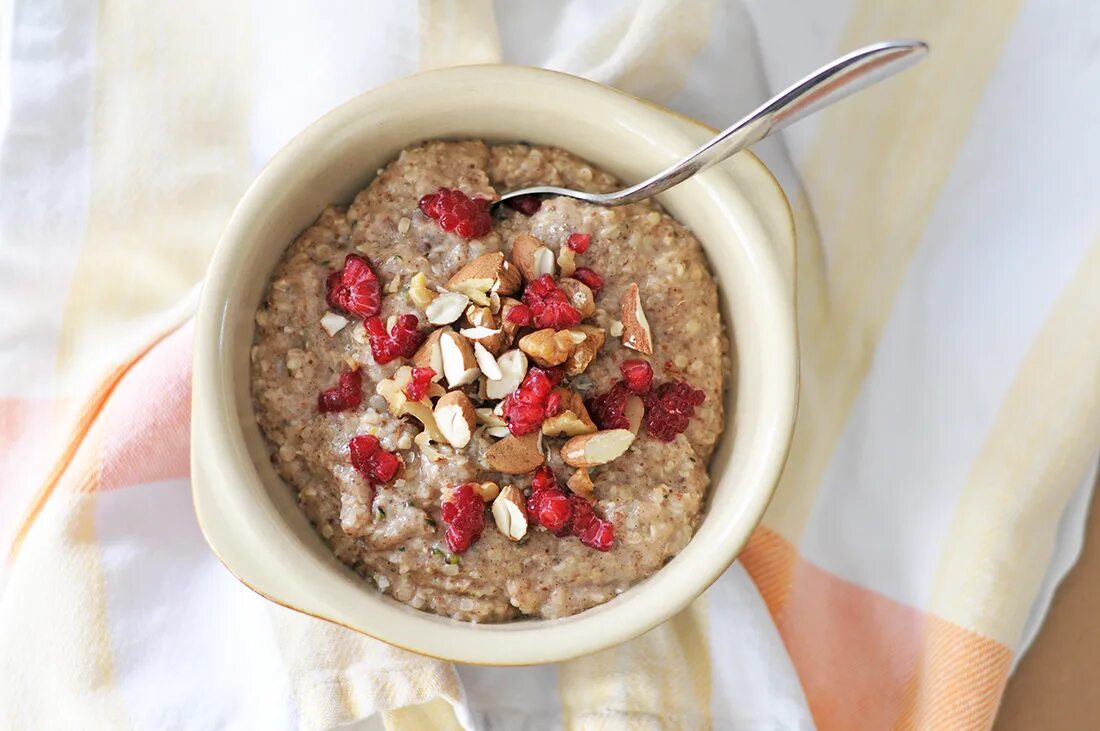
(494, 414)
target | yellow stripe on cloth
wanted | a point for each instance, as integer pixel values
(872, 199)
(659, 680)
(1043, 441)
(437, 715)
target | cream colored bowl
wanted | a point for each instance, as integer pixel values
(250, 517)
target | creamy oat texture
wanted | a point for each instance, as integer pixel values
(653, 494)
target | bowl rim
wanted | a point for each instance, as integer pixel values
(208, 324)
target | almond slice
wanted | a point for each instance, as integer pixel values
(487, 273)
(333, 323)
(446, 308)
(513, 367)
(514, 455)
(634, 411)
(497, 432)
(636, 333)
(459, 363)
(486, 416)
(580, 482)
(510, 513)
(543, 262)
(591, 450)
(523, 255)
(430, 353)
(477, 333)
(487, 363)
(454, 415)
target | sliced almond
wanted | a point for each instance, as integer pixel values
(494, 302)
(497, 432)
(488, 418)
(634, 411)
(615, 328)
(487, 363)
(430, 354)
(579, 294)
(567, 261)
(523, 255)
(333, 323)
(488, 272)
(477, 333)
(548, 347)
(446, 308)
(591, 450)
(480, 317)
(454, 415)
(544, 262)
(584, 351)
(572, 418)
(513, 367)
(459, 363)
(510, 513)
(580, 482)
(487, 491)
(636, 333)
(514, 455)
(509, 280)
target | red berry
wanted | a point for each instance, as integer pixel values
(519, 315)
(463, 511)
(669, 407)
(592, 530)
(526, 407)
(354, 289)
(347, 395)
(525, 204)
(550, 508)
(543, 479)
(608, 409)
(553, 404)
(455, 211)
(638, 375)
(370, 460)
(417, 388)
(579, 242)
(590, 278)
(549, 305)
(401, 342)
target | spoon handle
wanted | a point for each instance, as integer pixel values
(829, 84)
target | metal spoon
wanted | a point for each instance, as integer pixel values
(831, 83)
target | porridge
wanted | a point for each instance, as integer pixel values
(493, 415)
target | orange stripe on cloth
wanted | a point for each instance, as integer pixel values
(867, 661)
(88, 415)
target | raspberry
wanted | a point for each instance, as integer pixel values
(464, 513)
(590, 278)
(549, 305)
(417, 388)
(371, 461)
(519, 315)
(607, 409)
(525, 204)
(592, 530)
(345, 396)
(455, 211)
(548, 506)
(553, 403)
(402, 340)
(525, 408)
(579, 242)
(638, 375)
(669, 407)
(355, 289)
(543, 479)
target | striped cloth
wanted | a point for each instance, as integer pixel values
(948, 310)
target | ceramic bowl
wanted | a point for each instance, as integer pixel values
(249, 515)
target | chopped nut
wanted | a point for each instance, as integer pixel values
(585, 351)
(591, 450)
(393, 391)
(634, 411)
(446, 308)
(616, 328)
(419, 292)
(454, 415)
(393, 285)
(544, 261)
(513, 367)
(430, 353)
(488, 272)
(487, 491)
(567, 261)
(514, 455)
(488, 418)
(572, 418)
(523, 255)
(333, 323)
(510, 513)
(403, 225)
(548, 347)
(459, 363)
(476, 333)
(580, 482)
(579, 294)
(636, 333)
(487, 363)
(423, 440)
